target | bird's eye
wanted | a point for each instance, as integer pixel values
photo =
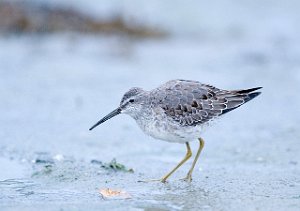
(131, 100)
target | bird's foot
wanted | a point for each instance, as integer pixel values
(188, 178)
(163, 180)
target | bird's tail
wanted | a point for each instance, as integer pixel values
(250, 94)
(236, 98)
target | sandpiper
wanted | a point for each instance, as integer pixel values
(178, 111)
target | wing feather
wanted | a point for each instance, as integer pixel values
(192, 103)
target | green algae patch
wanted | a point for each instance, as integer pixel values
(113, 165)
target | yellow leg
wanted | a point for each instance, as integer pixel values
(189, 174)
(187, 156)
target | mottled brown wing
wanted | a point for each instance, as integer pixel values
(192, 103)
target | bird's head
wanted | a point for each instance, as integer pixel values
(131, 103)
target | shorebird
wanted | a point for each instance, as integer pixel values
(178, 111)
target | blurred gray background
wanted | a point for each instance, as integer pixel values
(66, 64)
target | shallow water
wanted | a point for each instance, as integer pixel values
(53, 88)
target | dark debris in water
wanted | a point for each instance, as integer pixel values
(41, 161)
(46, 170)
(68, 170)
(113, 165)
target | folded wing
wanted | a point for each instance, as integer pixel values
(192, 103)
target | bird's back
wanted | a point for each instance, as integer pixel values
(192, 103)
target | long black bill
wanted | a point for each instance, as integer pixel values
(107, 117)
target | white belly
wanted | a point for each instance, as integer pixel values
(170, 132)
